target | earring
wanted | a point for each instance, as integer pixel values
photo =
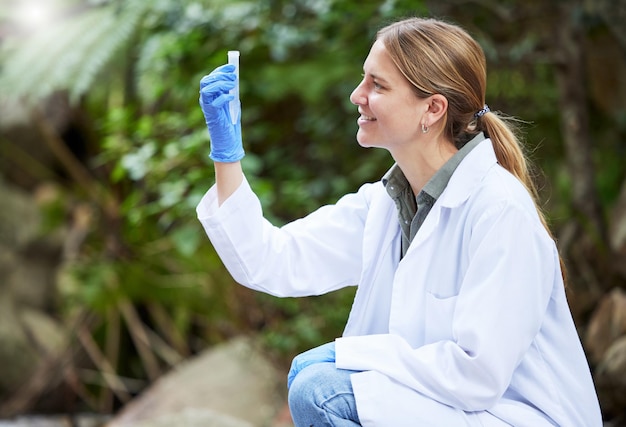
(424, 128)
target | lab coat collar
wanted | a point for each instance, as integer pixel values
(463, 182)
(468, 174)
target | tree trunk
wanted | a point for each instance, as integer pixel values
(614, 14)
(583, 241)
(570, 76)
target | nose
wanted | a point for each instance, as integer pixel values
(357, 97)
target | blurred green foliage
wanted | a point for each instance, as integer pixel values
(134, 75)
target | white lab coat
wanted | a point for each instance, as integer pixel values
(474, 317)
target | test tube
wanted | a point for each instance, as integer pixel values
(234, 105)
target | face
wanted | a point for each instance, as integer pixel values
(390, 111)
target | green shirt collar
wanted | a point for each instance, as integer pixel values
(396, 183)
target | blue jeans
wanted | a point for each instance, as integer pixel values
(321, 396)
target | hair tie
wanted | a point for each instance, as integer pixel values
(482, 112)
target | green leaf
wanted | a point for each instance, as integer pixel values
(67, 54)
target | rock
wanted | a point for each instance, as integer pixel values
(606, 346)
(36, 422)
(27, 336)
(610, 380)
(232, 380)
(28, 258)
(79, 420)
(613, 363)
(18, 359)
(19, 217)
(28, 264)
(194, 418)
(45, 334)
(617, 231)
(607, 324)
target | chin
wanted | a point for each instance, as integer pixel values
(363, 141)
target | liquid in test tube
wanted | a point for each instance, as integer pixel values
(234, 106)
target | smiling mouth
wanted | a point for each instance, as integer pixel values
(367, 118)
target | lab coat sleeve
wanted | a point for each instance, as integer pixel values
(498, 311)
(310, 256)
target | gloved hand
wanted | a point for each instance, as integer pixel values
(226, 145)
(323, 353)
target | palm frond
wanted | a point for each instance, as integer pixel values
(66, 55)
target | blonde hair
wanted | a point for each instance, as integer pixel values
(437, 57)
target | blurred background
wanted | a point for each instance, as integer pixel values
(107, 281)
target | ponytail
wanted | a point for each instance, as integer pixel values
(503, 132)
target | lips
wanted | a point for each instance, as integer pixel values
(366, 118)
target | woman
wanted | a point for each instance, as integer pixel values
(460, 316)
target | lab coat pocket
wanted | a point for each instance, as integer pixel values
(439, 314)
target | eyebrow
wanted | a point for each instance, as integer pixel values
(377, 77)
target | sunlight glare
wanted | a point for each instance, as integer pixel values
(33, 14)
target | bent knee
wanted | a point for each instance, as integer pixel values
(308, 387)
(316, 383)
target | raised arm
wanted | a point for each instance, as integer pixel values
(228, 177)
(226, 144)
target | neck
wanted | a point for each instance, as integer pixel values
(420, 161)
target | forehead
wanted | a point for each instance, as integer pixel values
(378, 62)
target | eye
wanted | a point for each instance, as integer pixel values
(372, 82)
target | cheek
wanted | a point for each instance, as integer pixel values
(400, 118)
(403, 127)
(408, 116)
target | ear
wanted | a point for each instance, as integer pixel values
(437, 108)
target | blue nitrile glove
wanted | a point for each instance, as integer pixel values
(226, 145)
(323, 353)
